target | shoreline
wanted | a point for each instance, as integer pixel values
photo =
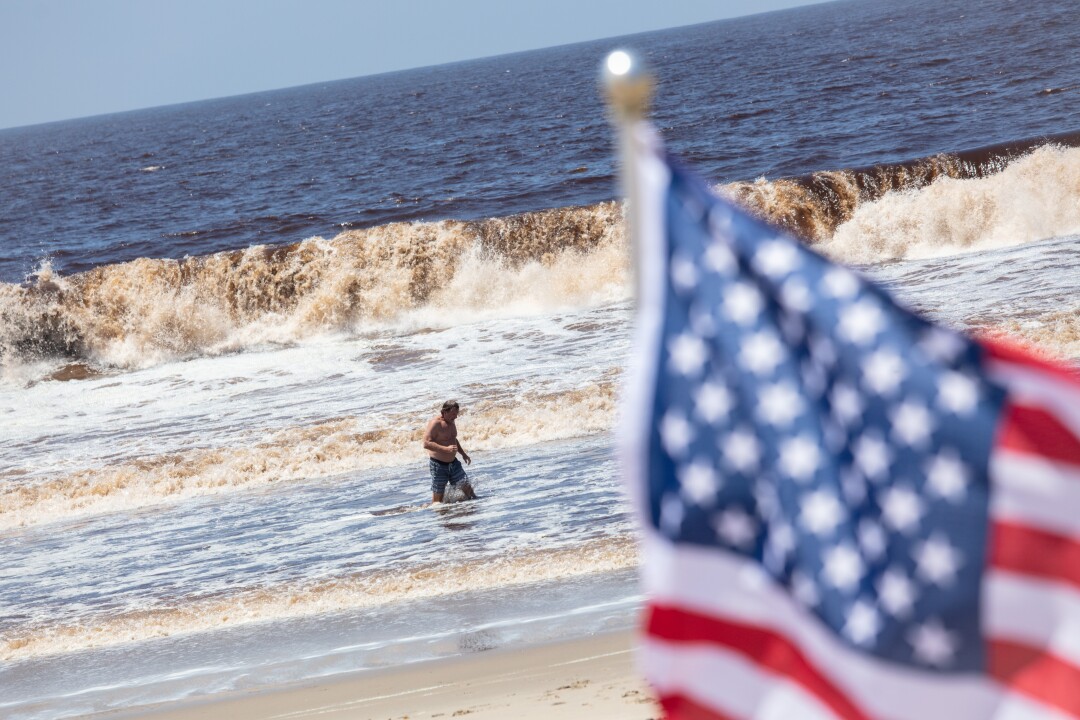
(590, 677)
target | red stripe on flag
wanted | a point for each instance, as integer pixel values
(1028, 551)
(1037, 674)
(1034, 431)
(765, 647)
(1017, 355)
(679, 707)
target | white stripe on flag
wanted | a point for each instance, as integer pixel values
(1032, 386)
(708, 675)
(1035, 491)
(1017, 707)
(1034, 612)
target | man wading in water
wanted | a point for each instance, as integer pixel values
(442, 444)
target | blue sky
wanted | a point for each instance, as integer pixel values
(61, 59)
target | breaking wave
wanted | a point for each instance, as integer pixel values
(297, 454)
(1033, 198)
(146, 312)
(816, 206)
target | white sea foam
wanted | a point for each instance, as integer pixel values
(298, 453)
(1033, 198)
(369, 589)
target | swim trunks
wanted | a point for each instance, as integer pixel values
(443, 472)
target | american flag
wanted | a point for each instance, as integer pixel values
(848, 511)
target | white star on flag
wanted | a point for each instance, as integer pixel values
(676, 433)
(840, 283)
(736, 527)
(688, 354)
(699, 481)
(847, 405)
(912, 424)
(947, 476)
(713, 402)
(821, 513)
(741, 450)
(719, 258)
(776, 258)
(684, 274)
(743, 303)
(795, 296)
(861, 322)
(843, 567)
(872, 539)
(936, 561)
(896, 592)
(902, 509)
(761, 353)
(779, 404)
(958, 393)
(863, 623)
(872, 456)
(934, 645)
(941, 345)
(883, 372)
(800, 457)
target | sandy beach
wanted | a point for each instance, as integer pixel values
(592, 677)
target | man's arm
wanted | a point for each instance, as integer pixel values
(464, 455)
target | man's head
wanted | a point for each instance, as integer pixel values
(450, 409)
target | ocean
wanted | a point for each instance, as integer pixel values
(224, 325)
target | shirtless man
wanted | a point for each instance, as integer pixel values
(442, 445)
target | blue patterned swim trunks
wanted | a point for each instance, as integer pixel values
(442, 473)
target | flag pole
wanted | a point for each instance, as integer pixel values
(628, 90)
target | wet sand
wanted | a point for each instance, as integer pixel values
(592, 677)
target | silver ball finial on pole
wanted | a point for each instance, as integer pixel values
(628, 85)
